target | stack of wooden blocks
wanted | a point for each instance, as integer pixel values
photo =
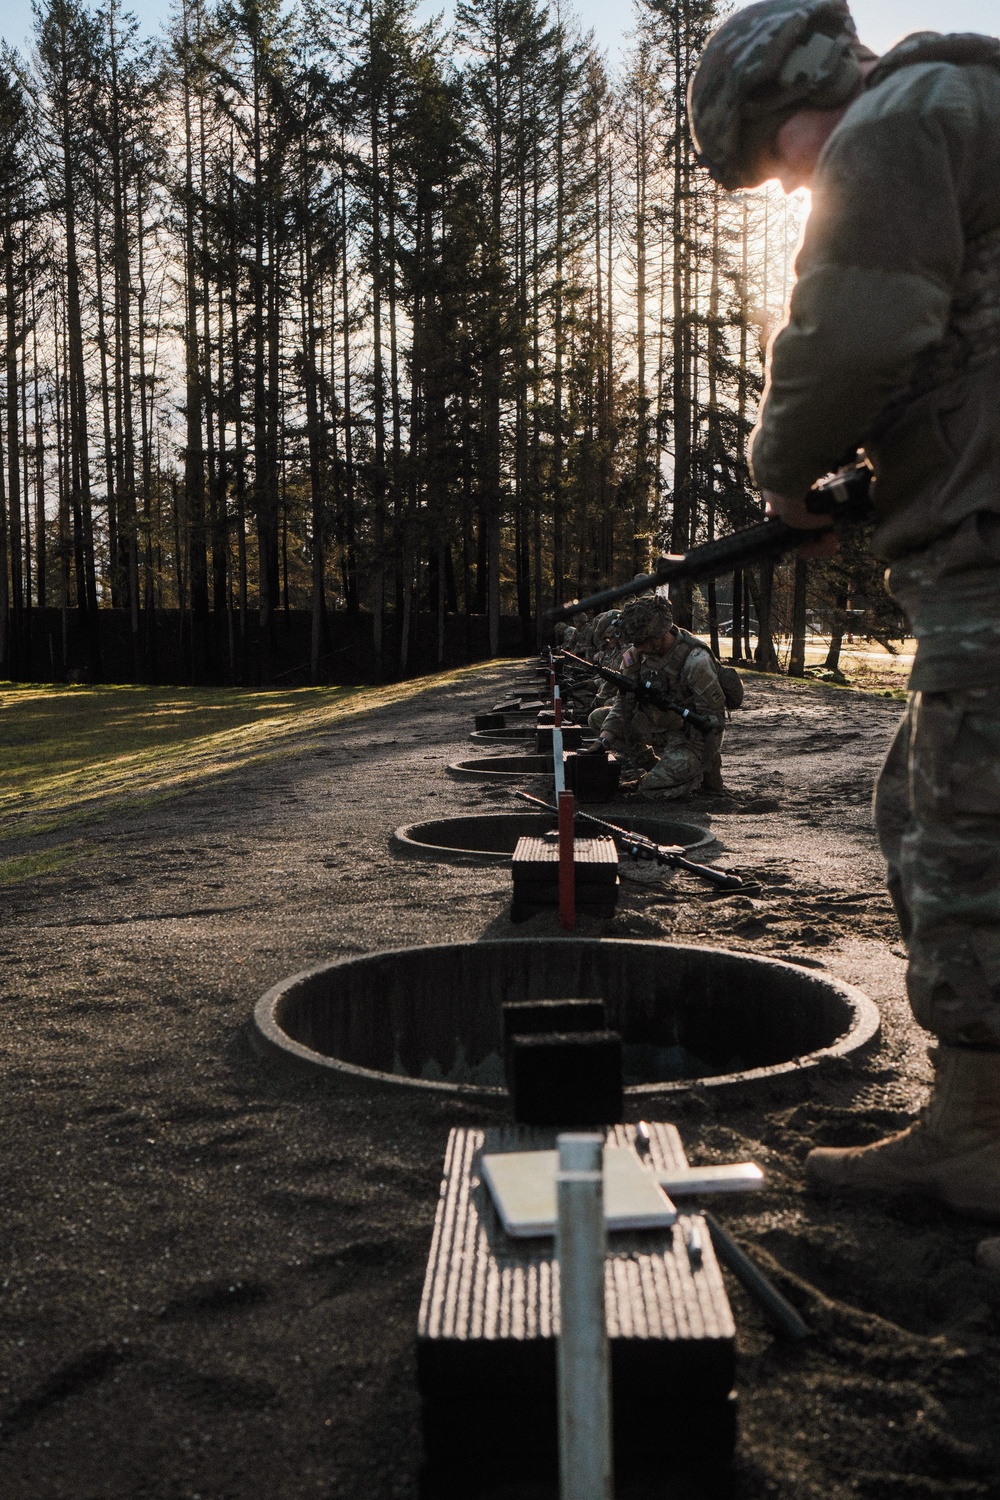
(562, 1063)
(489, 1320)
(572, 737)
(535, 869)
(592, 776)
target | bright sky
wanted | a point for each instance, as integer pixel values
(880, 22)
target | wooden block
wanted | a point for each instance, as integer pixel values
(522, 908)
(566, 1078)
(490, 721)
(536, 859)
(572, 737)
(592, 777)
(519, 706)
(489, 1317)
(529, 1017)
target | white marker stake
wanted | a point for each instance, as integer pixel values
(585, 1469)
(558, 764)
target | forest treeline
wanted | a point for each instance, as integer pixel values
(319, 308)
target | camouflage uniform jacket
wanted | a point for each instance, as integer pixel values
(612, 660)
(687, 673)
(583, 641)
(893, 340)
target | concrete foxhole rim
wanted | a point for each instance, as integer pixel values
(478, 769)
(489, 737)
(404, 841)
(268, 1037)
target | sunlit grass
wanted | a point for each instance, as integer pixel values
(68, 754)
(864, 664)
(25, 866)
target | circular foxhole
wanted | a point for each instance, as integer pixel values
(501, 767)
(491, 838)
(525, 736)
(430, 1018)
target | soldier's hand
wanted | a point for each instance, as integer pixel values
(793, 509)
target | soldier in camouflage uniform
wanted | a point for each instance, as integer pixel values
(577, 637)
(893, 343)
(607, 652)
(682, 757)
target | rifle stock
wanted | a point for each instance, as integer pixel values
(845, 497)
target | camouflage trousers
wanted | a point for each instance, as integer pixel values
(937, 813)
(682, 756)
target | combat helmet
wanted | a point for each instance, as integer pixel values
(604, 625)
(758, 69)
(644, 618)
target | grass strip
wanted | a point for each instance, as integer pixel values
(27, 866)
(72, 753)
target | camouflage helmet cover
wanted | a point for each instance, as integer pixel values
(758, 69)
(645, 618)
(604, 624)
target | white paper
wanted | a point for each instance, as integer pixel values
(523, 1187)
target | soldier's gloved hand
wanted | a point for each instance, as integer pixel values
(594, 747)
(793, 509)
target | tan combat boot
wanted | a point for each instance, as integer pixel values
(951, 1151)
(712, 783)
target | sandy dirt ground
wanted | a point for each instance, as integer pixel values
(211, 1272)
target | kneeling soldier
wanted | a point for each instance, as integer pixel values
(676, 662)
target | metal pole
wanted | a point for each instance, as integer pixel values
(567, 855)
(585, 1463)
(557, 705)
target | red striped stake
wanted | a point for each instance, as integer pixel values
(552, 686)
(567, 869)
(557, 705)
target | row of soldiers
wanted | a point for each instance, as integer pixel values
(666, 756)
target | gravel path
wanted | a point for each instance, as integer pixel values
(211, 1273)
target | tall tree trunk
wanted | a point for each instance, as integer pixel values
(378, 374)
(641, 495)
(41, 560)
(797, 656)
(194, 455)
(350, 503)
(77, 434)
(315, 438)
(10, 544)
(560, 191)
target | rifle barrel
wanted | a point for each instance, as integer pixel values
(845, 497)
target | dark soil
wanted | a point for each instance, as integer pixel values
(211, 1272)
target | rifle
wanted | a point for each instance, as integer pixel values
(845, 497)
(647, 692)
(671, 855)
